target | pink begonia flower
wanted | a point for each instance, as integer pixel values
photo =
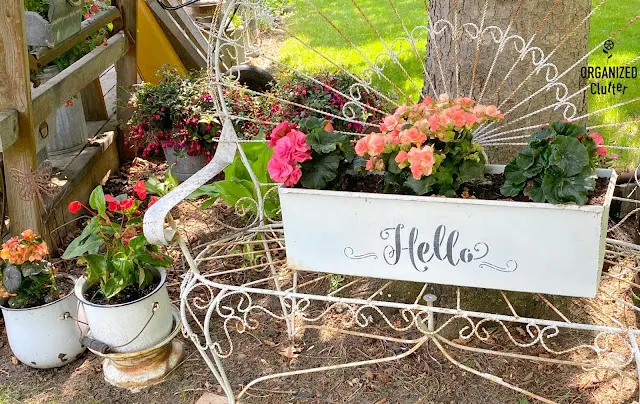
(279, 131)
(421, 161)
(428, 100)
(597, 137)
(434, 123)
(401, 158)
(471, 119)
(284, 149)
(493, 111)
(377, 144)
(362, 146)
(369, 165)
(412, 135)
(279, 170)
(302, 151)
(328, 127)
(466, 101)
(393, 137)
(479, 110)
(389, 123)
(295, 176)
(401, 110)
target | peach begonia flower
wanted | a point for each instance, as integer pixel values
(421, 161)
(376, 144)
(412, 136)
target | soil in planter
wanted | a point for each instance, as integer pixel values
(489, 189)
(129, 294)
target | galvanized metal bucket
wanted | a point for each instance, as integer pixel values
(68, 127)
(182, 165)
(133, 326)
(46, 336)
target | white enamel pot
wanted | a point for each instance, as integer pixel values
(133, 326)
(45, 336)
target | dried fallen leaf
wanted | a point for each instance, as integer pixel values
(290, 352)
(383, 378)
(521, 331)
(461, 341)
(382, 401)
(368, 375)
(397, 323)
(14, 360)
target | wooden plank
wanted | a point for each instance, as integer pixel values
(8, 128)
(93, 103)
(191, 28)
(127, 76)
(15, 93)
(70, 81)
(44, 56)
(189, 53)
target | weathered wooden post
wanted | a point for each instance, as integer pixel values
(127, 74)
(15, 94)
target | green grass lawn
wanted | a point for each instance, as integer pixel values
(306, 23)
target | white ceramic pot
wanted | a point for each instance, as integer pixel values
(45, 337)
(519, 246)
(133, 326)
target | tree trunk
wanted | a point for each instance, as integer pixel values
(549, 24)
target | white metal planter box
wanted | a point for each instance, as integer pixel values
(519, 246)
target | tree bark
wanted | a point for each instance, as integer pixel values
(550, 20)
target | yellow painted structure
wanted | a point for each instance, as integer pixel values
(153, 49)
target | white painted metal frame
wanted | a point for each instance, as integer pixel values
(208, 295)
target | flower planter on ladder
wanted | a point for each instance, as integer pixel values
(519, 246)
(63, 20)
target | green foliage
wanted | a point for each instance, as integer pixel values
(161, 188)
(30, 284)
(306, 91)
(335, 281)
(557, 166)
(112, 246)
(332, 154)
(237, 188)
(37, 6)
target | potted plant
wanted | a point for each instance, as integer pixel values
(38, 311)
(386, 208)
(123, 292)
(175, 116)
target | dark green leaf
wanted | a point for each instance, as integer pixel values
(511, 189)
(471, 170)
(569, 155)
(323, 142)
(234, 190)
(161, 261)
(392, 166)
(11, 278)
(96, 267)
(33, 268)
(208, 203)
(568, 129)
(422, 186)
(112, 287)
(535, 191)
(321, 170)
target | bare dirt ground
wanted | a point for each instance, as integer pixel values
(426, 376)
